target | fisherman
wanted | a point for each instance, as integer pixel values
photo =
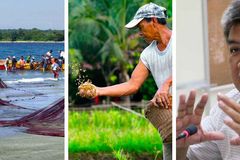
(22, 62)
(14, 62)
(29, 58)
(6, 64)
(55, 68)
(52, 59)
(45, 62)
(32, 61)
(49, 53)
(48, 57)
(61, 58)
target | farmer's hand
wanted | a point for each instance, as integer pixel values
(187, 115)
(161, 99)
(87, 90)
(232, 109)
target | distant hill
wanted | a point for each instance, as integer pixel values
(31, 35)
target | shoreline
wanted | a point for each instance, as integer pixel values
(31, 41)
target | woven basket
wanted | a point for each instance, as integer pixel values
(161, 119)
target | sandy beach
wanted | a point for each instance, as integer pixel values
(29, 147)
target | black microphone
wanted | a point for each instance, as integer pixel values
(190, 130)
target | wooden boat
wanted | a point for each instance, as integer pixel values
(27, 66)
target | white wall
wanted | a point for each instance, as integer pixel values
(192, 67)
(191, 45)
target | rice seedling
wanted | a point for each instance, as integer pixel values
(112, 131)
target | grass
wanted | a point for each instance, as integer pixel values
(112, 131)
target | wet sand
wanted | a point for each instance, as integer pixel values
(29, 147)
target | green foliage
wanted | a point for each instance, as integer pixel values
(113, 131)
(120, 155)
(31, 35)
(149, 88)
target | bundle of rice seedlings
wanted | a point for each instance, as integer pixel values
(87, 90)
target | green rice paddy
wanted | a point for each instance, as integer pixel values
(112, 131)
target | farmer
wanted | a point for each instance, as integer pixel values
(218, 135)
(150, 19)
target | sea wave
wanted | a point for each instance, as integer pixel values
(32, 80)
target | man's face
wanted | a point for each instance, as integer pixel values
(234, 57)
(146, 30)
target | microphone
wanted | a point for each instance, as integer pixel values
(190, 130)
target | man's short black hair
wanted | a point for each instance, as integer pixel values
(160, 20)
(231, 17)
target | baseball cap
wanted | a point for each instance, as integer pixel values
(147, 11)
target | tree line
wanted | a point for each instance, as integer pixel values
(31, 35)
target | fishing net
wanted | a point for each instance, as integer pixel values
(7, 103)
(2, 84)
(46, 121)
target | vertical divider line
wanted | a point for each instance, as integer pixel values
(66, 106)
(174, 60)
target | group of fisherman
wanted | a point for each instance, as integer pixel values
(47, 62)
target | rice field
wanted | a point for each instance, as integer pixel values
(116, 133)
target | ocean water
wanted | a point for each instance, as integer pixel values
(25, 49)
(30, 90)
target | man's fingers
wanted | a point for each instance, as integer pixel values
(159, 102)
(198, 111)
(190, 102)
(212, 136)
(167, 99)
(182, 106)
(229, 102)
(209, 136)
(229, 111)
(164, 100)
(179, 126)
(153, 103)
(232, 124)
(235, 141)
(81, 92)
(201, 105)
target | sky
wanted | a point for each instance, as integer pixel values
(28, 14)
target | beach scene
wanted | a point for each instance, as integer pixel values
(32, 80)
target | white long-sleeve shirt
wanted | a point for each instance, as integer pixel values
(217, 150)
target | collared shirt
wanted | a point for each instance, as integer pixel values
(217, 150)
